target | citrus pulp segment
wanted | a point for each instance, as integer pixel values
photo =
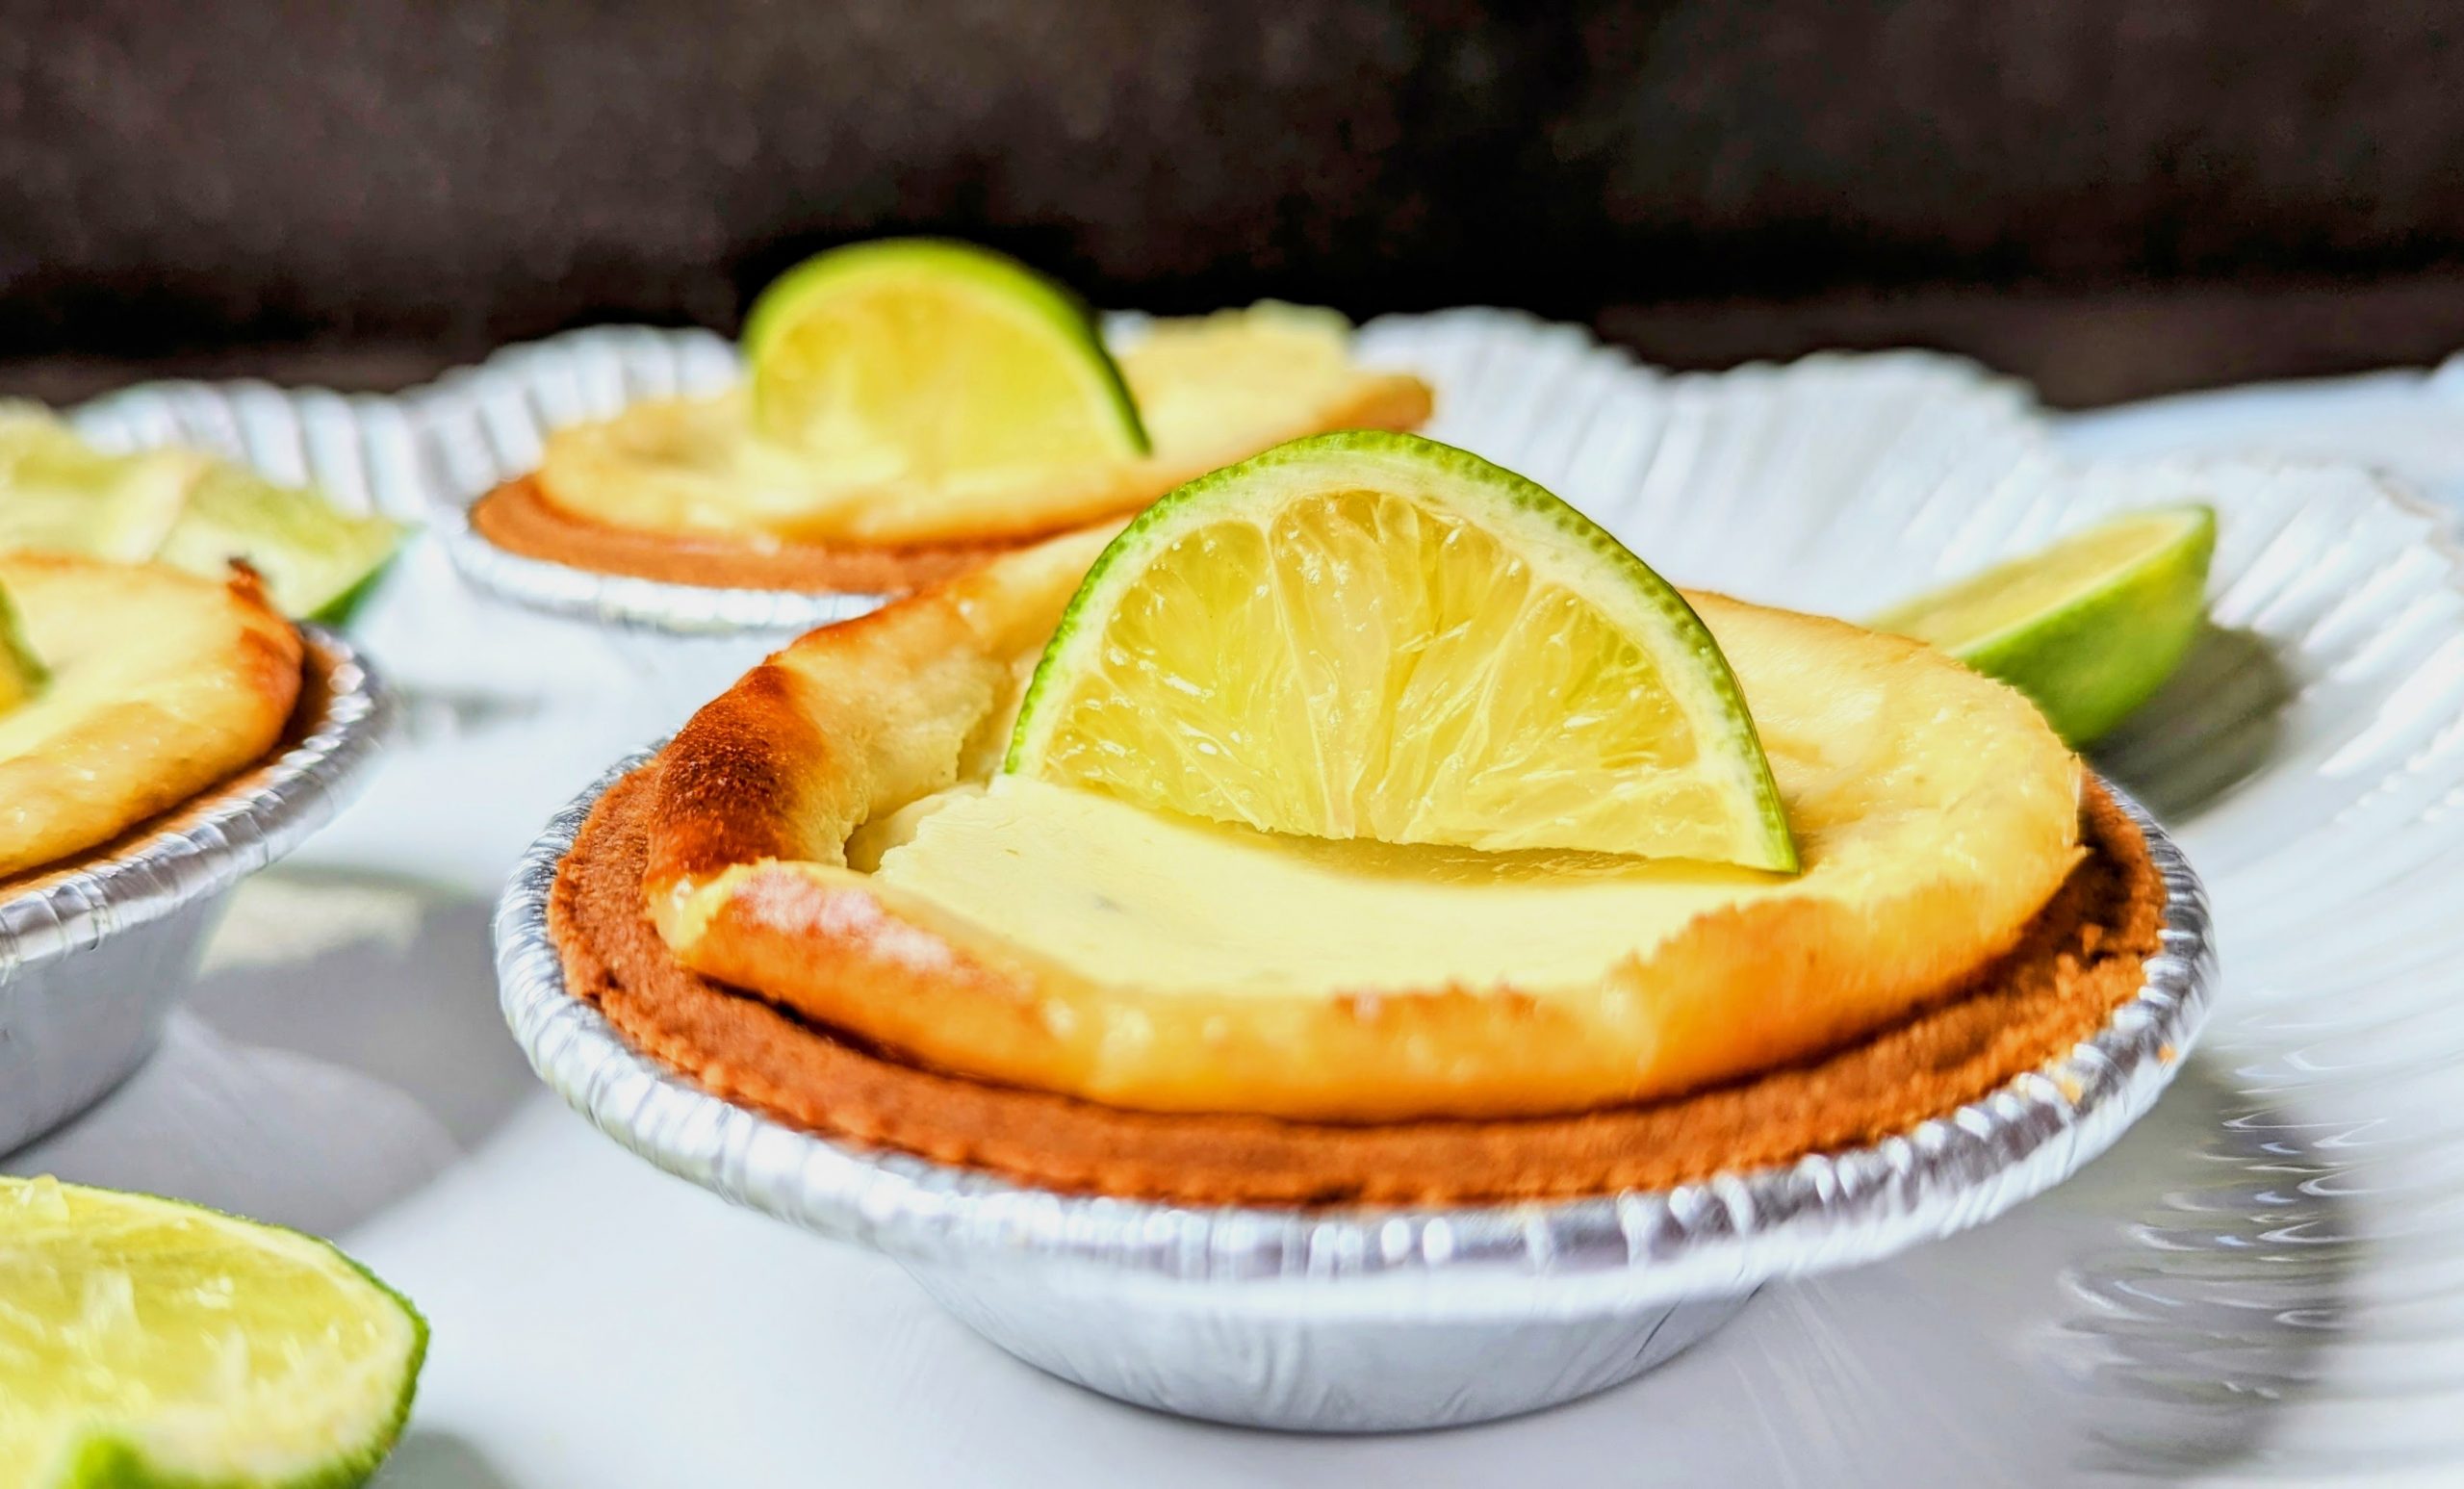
(917, 357)
(144, 1342)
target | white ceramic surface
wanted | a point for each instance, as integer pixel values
(2259, 1284)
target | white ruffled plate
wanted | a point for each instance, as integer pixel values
(2271, 1284)
(2261, 1282)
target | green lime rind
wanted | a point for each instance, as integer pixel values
(1000, 279)
(337, 613)
(22, 673)
(2091, 660)
(103, 1460)
(1364, 456)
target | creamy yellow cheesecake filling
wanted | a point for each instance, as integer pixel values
(1124, 894)
(158, 684)
(831, 835)
(1210, 390)
(1900, 772)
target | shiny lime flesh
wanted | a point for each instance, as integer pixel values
(921, 357)
(147, 1343)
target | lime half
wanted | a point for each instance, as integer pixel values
(2090, 628)
(922, 358)
(1373, 635)
(21, 672)
(146, 1343)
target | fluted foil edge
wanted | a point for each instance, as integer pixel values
(1721, 1237)
(216, 846)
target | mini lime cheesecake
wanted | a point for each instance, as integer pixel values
(911, 407)
(1206, 391)
(1940, 769)
(1363, 782)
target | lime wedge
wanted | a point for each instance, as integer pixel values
(148, 1342)
(58, 493)
(915, 357)
(314, 558)
(1373, 635)
(21, 672)
(2090, 628)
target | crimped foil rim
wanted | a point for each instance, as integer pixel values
(631, 600)
(213, 847)
(464, 413)
(1722, 1236)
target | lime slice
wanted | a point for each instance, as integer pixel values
(148, 1342)
(2090, 628)
(1373, 635)
(58, 493)
(21, 672)
(314, 558)
(915, 357)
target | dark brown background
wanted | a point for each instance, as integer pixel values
(2113, 197)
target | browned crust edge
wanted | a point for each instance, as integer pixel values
(520, 519)
(2082, 958)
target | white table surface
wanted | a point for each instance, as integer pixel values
(597, 1323)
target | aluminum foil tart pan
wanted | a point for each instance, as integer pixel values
(94, 956)
(1362, 1319)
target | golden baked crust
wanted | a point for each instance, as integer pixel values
(2080, 959)
(791, 760)
(763, 791)
(163, 683)
(519, 518)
